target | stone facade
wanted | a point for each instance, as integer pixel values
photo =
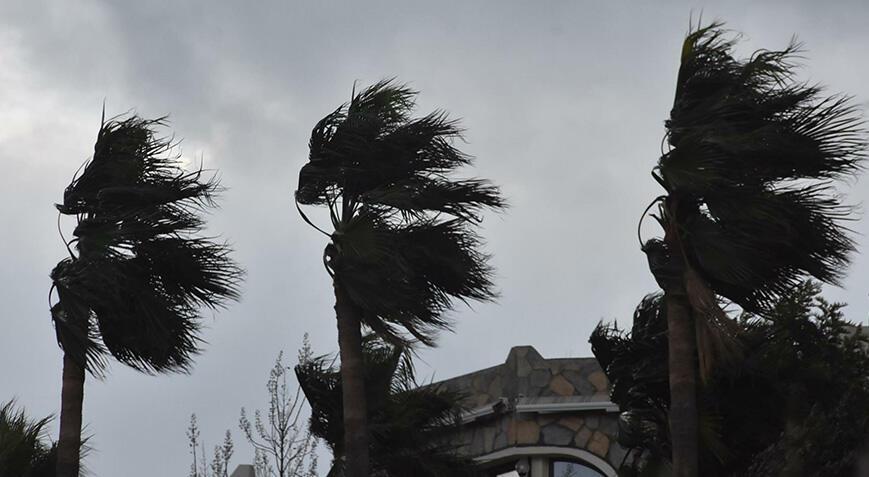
(244, 471)
(533, 401)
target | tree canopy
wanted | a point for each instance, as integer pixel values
(803, 342)
(401, 247)
(134, 289)
(408, 423)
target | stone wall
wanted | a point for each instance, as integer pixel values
(526, 377)
(591, 431)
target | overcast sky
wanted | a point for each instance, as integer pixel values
(563, 103)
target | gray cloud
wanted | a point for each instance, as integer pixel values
(563, 103)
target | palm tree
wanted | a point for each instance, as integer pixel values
(401, 247)
(409, 424)
(134, 289)
(749, 209)
(24, 451)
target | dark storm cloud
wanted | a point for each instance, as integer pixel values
(563, 104)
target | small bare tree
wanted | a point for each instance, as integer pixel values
(220, 460)
(193, 443)
(282, 442)
(222, 454)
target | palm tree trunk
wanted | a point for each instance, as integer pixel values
(352, 385)
(71, 400)
(683, 384)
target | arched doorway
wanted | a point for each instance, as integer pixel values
(545, 461)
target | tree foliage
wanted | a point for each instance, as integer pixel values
(141, 274)
(750, 207)
(408, 423)
(401, 245)
(24, 447)
(803, 345)
(751, 155)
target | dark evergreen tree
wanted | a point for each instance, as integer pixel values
(791, 405)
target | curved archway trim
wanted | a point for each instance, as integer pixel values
(551, 451)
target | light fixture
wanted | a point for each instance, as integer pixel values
(522, 467)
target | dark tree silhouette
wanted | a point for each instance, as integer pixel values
(750, 423)
(635, 363)
(134, 289)
(401, 247)
(409, 424)
(24, 447)
(749, 209)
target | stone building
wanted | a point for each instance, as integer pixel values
(539, 417)
(244, 470)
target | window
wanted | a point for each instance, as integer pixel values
(565, 468)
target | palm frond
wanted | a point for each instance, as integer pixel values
(25, 447)
(754, 246)
(636, 365)
(415, 197)
(406, 275)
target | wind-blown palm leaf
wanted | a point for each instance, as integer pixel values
(135, 288)
(636, 365)
(25, 450)
(405, 275)
(133, 169)
(402, 247)
(408, 424)
(752, 153)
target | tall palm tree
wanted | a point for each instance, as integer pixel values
(401, 247)
(135, 286)
(749, 209)
(409, 424)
